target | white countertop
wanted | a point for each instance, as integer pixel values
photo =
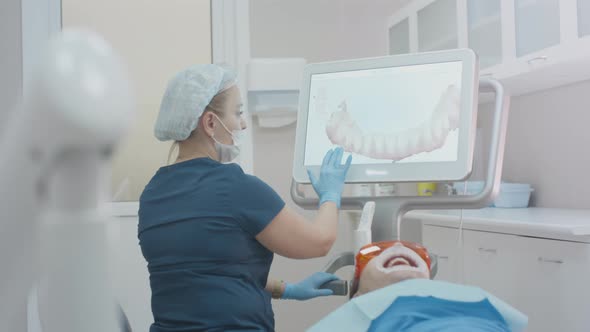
(123, 209)
(561, 224)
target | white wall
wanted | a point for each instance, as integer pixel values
(10, 94)
(321, 30)
(156, 40)
(318, 30)
(11, 57)
(547, 145)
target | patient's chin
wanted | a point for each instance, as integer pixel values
(373, 278)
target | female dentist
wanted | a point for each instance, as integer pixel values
(209, 231)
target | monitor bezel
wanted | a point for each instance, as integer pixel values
(399, 172)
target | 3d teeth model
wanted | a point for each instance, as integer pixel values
(430, 135)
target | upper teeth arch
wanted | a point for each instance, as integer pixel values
(429, 135)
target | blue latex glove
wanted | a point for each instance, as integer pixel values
(332, 174)
(308, 288)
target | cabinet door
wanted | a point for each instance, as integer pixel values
(583, 18)
(537, 25)
(490, 262)
(554, 278)
(399, 37)
(437, 26)
(442, 242)
(484, 31)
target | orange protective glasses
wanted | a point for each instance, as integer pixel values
(370, 251)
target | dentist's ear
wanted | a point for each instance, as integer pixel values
(207, 123)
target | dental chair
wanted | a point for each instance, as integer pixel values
(392, 275)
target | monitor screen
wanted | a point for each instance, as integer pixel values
(401, 121)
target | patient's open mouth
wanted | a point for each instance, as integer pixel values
(398, 261)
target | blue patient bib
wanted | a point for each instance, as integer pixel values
(421, 305)
(431, 314)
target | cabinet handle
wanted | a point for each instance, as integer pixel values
(443, 257)
(547, 260)
(539, 58)
(491, 251)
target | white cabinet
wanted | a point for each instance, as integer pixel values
(583, 18)
(439, 240)
(484, 31)
(399, 37)
(513, 255)
(489, 261)
(552, 286)
(536, 25)
(529, 45)
(437, 26)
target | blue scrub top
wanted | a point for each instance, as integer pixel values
(197, 225)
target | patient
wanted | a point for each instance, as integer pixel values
(384, 263)
(392, 291)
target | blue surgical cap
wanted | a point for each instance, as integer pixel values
(186, 97)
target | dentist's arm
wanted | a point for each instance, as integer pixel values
(291, 235)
